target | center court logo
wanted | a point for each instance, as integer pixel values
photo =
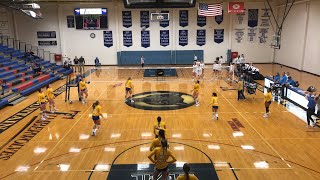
(161, 100)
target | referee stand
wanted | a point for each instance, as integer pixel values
(72, 84)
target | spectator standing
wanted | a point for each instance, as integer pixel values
(142, 61)
(311, 108)
(75, 63)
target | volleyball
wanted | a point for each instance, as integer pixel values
(143, 28)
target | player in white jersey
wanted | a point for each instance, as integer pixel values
(198, 70)
(194, 70)
(202, 67)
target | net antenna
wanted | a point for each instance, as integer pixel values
(276, 43)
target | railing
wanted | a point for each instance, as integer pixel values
(24, 47)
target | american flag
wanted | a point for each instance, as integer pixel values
(210, 9)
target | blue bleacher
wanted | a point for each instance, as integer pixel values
(39, 85)
(12, 70)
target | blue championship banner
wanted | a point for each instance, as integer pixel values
(201, 21)
(183, 37)
(144, 19)
(164, 23)
(219, 19)
(145, 39)
(164, 38)
(183, 18)
(126, 19)
(218, 35)
(253, 15)
(127, 38)
(107, 38)
(201, 37)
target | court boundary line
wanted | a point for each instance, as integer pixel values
(80, 118)
(257, 132)
(196, 140)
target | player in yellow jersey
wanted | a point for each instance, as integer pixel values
(42, 103)
(195, 90)
(83, 90)
(96, 113)
(161, 156)
(129, 88)
(186, 176)
(215, 107)
(158, 126)
(240, 90)
(50, 96)
(267, 102)
(156, 142)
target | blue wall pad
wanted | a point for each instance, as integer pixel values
(158, 57)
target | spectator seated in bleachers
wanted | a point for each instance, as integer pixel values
(97, 62)
(36, 68)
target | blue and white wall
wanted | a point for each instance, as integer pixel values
(72, 42)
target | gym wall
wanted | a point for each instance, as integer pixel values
(72, 42)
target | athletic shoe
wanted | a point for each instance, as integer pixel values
(197, 105)
(55, 109)
(93, 133)
(82, 102)
(213, 117)
(265, 115)
(43, 119)
(46, 115)
(132, 101)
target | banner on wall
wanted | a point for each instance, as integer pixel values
(107, 38)
(219, 19)
(218, 35)
(144, 19)
(252, 34)
(201, 37)
(236, 7)
(46, 34)
(164, 23)
(201, 21)
(183, 37)
(164, 38)
(263, 35)
(126, 19)
(183, 18)
(145, 39)
(265, 23)
(253, 15)
(127, 38)
(266, 13)
(70, 21)
(47, 43)
(240, 18)
(239, 35)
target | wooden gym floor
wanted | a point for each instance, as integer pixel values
(62, 148)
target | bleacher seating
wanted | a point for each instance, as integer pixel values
(18, 80)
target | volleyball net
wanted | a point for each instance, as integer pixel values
(153, 73)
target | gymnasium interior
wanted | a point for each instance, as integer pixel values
(253, 46)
